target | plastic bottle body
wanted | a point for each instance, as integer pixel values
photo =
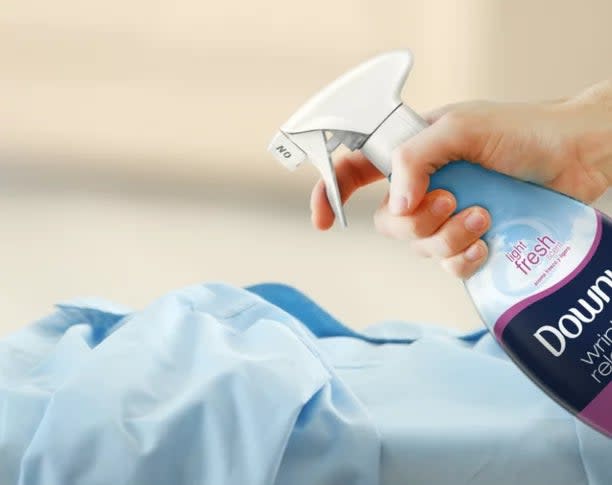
(545, 291)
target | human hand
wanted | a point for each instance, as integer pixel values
(563, 145)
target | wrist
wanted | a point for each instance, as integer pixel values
(594, 140)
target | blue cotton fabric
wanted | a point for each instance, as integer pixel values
(214, 384)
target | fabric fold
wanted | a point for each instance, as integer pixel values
(213, 384)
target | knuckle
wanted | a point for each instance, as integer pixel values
(455, 119)
(462, 129)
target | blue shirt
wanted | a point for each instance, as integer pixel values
(213, 384)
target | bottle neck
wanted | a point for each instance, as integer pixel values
(401, 124)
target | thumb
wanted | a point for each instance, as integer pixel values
(449, 138)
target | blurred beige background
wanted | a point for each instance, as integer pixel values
(133, 136)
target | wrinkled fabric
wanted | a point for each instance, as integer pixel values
(213, 384)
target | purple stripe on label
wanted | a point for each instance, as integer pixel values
(598, 412)
(513, 311)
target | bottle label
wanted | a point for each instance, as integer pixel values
(545, 290)
(562, 336)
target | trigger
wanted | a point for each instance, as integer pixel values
(315, 145)
(333, 196)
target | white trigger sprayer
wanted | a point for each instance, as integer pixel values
(361, 110)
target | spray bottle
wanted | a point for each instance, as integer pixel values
(545, 291)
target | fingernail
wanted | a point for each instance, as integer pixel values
(475, 221)
(398, 204)
(441, 206)
(474, 252)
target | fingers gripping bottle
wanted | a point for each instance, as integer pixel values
(545, 291)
